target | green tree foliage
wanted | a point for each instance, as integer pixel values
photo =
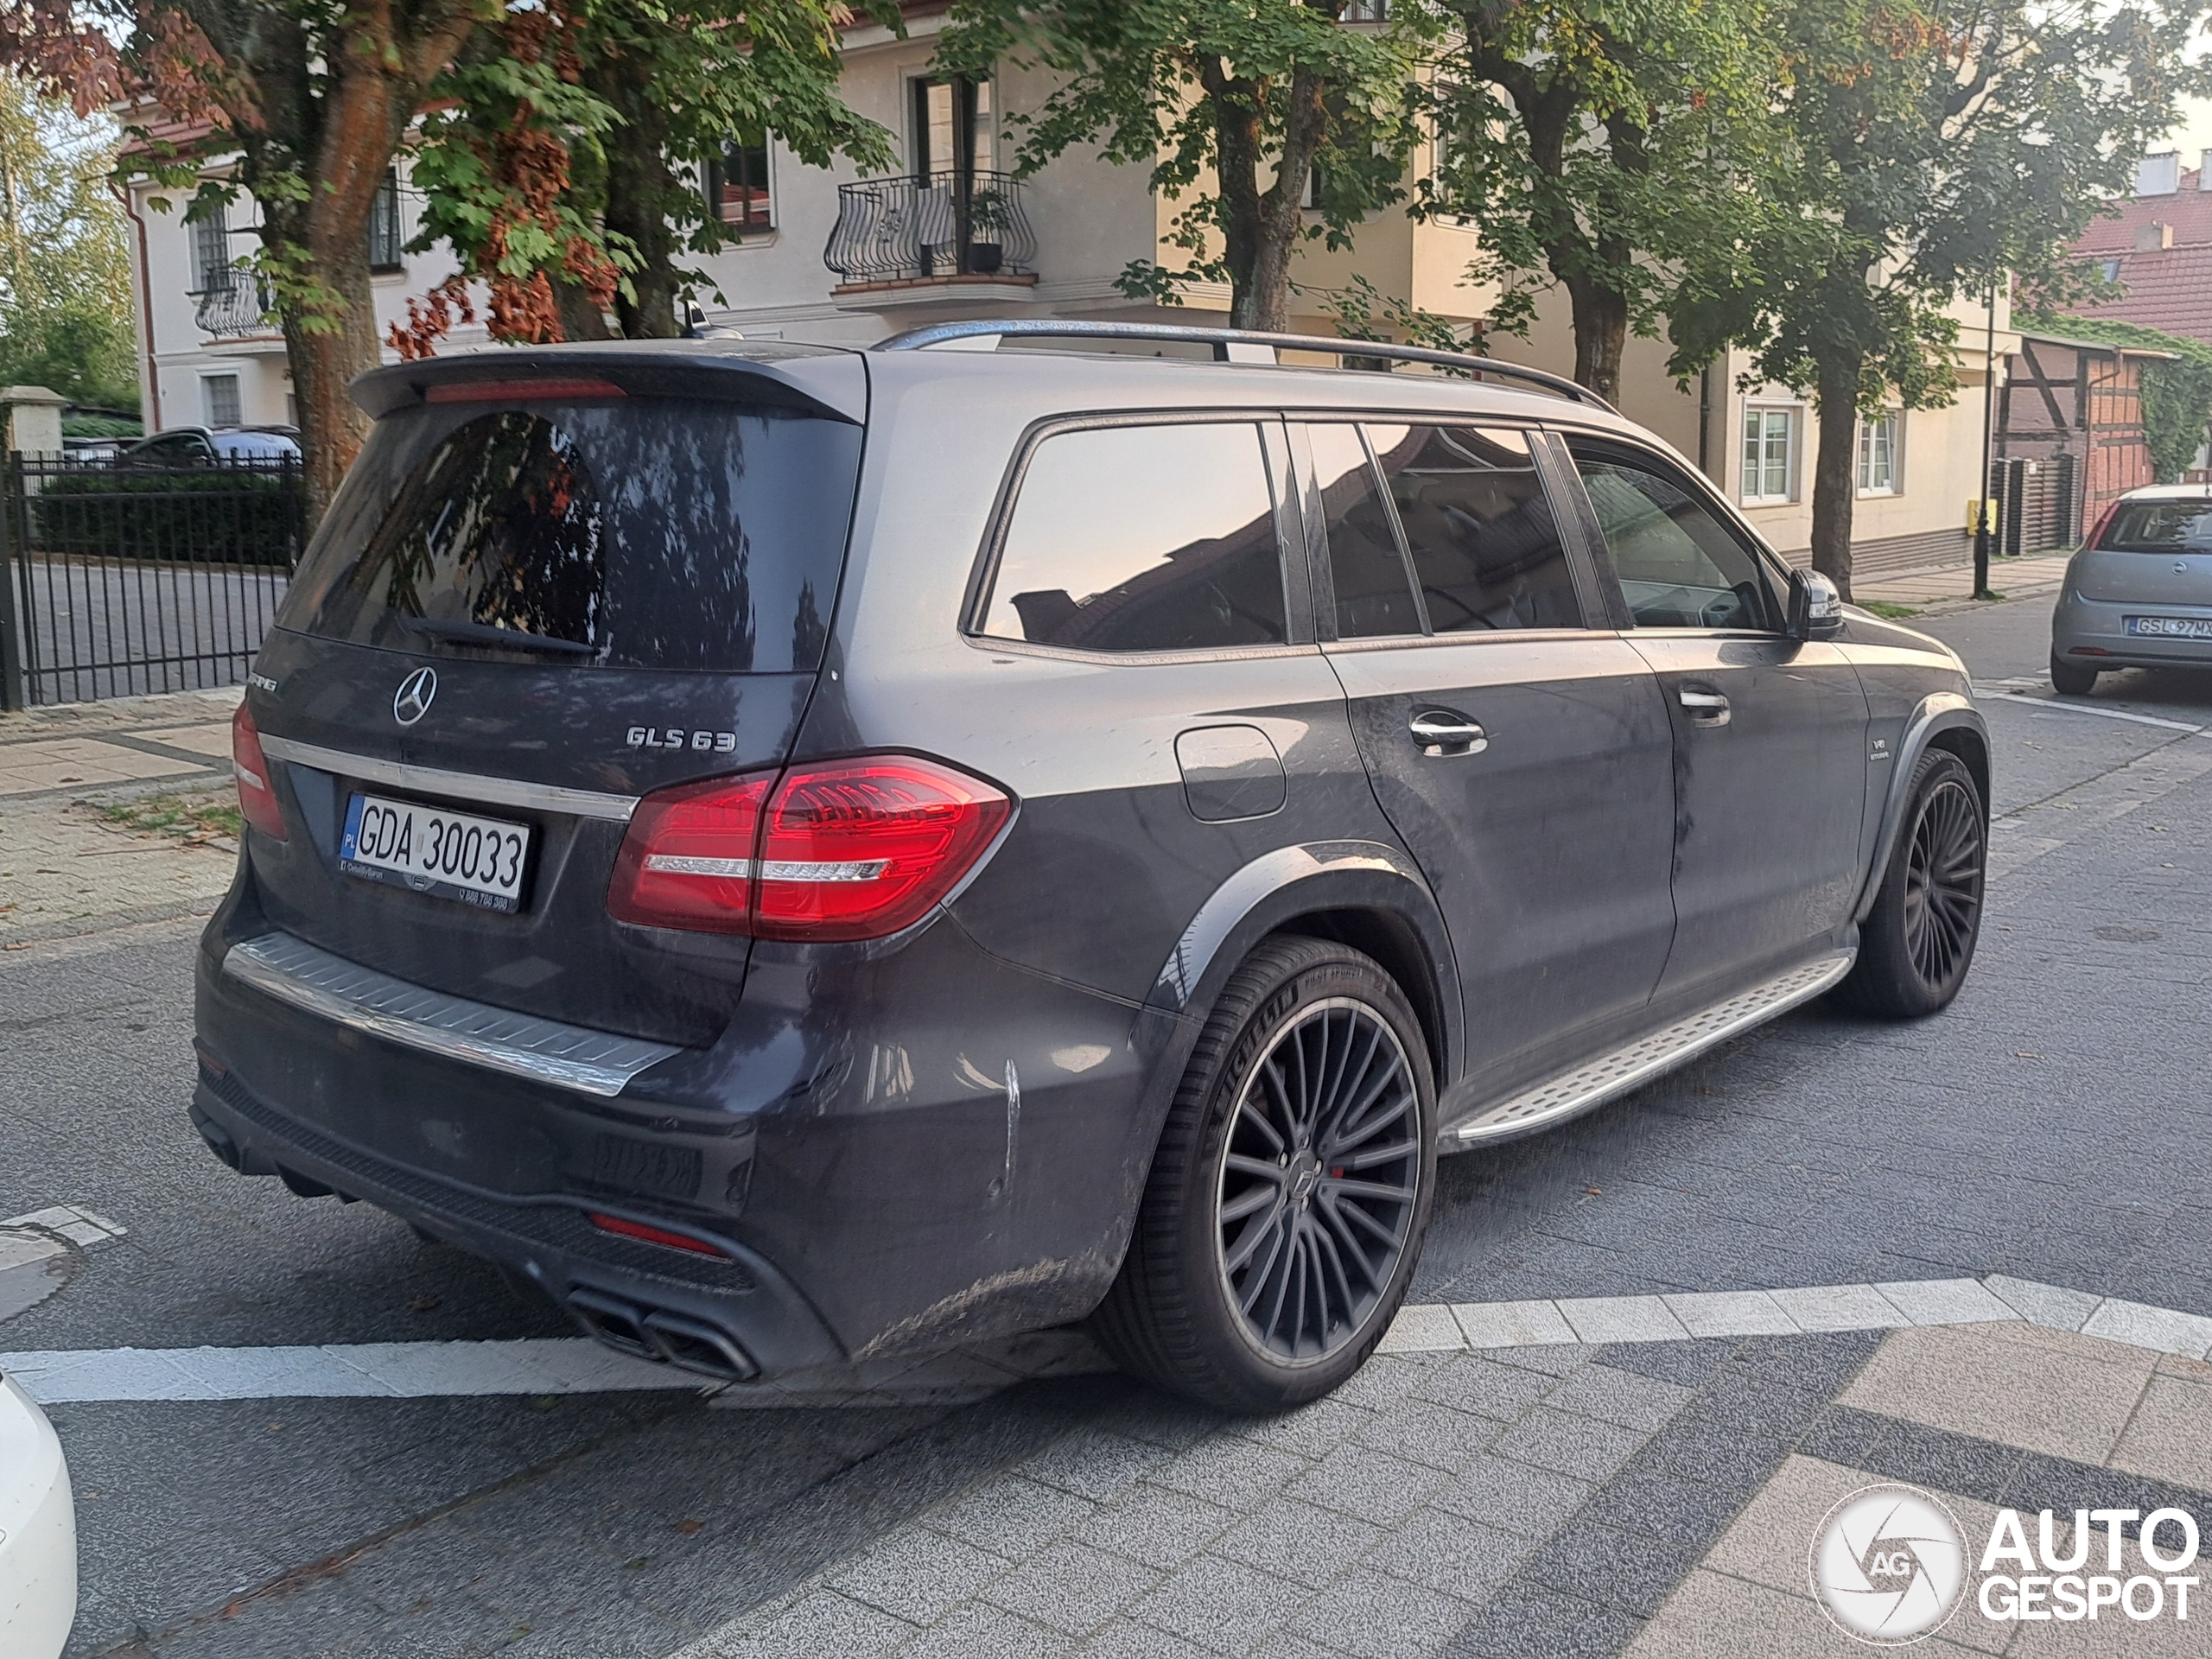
(1921, 150)
(563, 159)
(2176, 395)
(65, 269)
(1572, 134)
(1236, 106)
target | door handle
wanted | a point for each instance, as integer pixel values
(1439, 731)
(1707, 708)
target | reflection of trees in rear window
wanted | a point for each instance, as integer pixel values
(652, 532)
(1143, 539)
(2159, 526)
(500, 527)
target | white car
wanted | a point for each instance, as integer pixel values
(38, 1532)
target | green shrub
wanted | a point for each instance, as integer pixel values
(219, 516)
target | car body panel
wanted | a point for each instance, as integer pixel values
(1767, 804)
(38, 1532)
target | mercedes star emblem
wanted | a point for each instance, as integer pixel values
(413, 699)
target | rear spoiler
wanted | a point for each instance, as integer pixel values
(813, 380)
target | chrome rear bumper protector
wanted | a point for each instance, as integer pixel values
(1633, 1064)
(545, 1051)
(459, 785)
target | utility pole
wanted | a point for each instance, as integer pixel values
(1988, 408)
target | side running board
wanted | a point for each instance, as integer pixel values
(1610, 1076)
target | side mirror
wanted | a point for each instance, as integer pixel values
(1815, 606)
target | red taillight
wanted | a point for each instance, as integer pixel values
(652, 1234)
(687, 859)
(256, 794)
(844, 849)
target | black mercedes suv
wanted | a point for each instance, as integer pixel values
(808, 854)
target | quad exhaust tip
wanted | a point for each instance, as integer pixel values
(688, 1344)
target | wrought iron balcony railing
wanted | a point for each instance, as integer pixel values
(920, 226)
(235, 303)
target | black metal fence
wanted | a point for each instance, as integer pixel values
(124, 580)
(950, 223)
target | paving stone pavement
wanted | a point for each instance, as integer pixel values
(65, 870)
(1659, 1499)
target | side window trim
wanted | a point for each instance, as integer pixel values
(1398, 527)
(1604, 445)
(1299, 617)
(1595, 582)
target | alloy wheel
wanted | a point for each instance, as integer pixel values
(1319, 1180)
(1942, 892)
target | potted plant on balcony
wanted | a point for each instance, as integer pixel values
(990, 215)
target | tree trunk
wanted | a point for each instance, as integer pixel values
(1835, 465)
(1236, 171)
(1600, 332)
(638, 185)
(333, 338)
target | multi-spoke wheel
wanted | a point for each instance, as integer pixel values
(1320, 1173)
(1291, 1188)
(1917, 941)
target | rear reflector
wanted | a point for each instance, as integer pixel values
(652, 1234)
(521, 392)
(257, 798)
(843, 850)
(2087, 650)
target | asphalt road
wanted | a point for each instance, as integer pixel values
(2050, 1125)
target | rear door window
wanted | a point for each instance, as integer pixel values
(1143, 539)
(1479, 529)
(642, 532)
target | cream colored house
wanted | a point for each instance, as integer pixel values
(827, 256)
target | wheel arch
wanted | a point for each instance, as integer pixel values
(1944, 720)
(1365, 895)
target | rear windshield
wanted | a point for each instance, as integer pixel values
(647, 532)
(2159, 526)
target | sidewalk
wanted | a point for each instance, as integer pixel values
(113, 812)
(1950, 587)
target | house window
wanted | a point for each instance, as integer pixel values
(1878, 453)
(384, 238)
(1310, 197)
(211, 251)
(1365, 11)
(1770, 456)
(738, 194)
(2111, 270)
(219, 397)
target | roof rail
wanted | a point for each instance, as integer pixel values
(983, 335)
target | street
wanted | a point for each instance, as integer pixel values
(1556, 1496)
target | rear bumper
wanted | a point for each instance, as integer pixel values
(2093, 633)
(551, 1242)
(882, 1153)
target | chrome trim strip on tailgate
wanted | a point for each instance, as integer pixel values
(1593, 1082)
(545, 1051)
(460, 785)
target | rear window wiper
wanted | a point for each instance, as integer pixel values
(482, 633)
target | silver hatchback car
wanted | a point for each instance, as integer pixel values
(2139, 595)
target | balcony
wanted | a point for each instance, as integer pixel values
(234, 305)
(918, 238)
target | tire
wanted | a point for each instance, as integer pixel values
(2071, 679)
(1312, 1049)
(1918, 940)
